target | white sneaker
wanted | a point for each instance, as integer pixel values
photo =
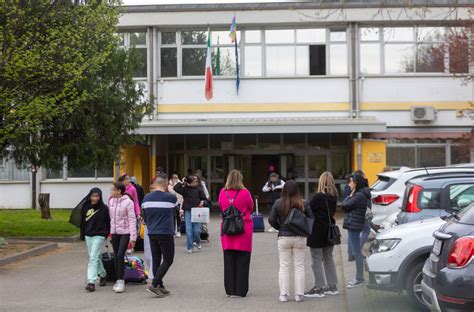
(272, 230)
(189, 251)
(178, 234)
(299, 298)
(115, 286)
(120, 287)
(283, 298)
(197, 246)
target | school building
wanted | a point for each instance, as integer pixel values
(338, 86)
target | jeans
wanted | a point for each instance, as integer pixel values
(291, 248)
(324, 268)
(120, 244)
(162, 247)
(95, 268)
(236, 272)
(354, 238)
(364, 236)
(193, 231)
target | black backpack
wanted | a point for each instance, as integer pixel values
(232, 221)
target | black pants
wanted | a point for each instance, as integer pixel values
(120, 244)
(162, 246)
(236, 272)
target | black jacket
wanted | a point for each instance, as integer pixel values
(277, 221)
(355, 207)
(318, 205)
(95, 219)
(192, 196)
(140, 193)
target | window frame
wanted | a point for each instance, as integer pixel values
(126, 45)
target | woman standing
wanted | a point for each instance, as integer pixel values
(174, 180)
(291, 246)
(237, 248)
(132, 191)
(323, 205)
(123, 226)
(95, 226)
(355, 206)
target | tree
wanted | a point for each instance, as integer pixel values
(65, 86)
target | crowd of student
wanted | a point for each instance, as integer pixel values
(169, 200)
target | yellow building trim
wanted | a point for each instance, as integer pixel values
(252, 107)
(440, 105)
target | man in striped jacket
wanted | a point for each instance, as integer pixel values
(159, 210)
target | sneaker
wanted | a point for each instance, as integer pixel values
(272, 230)
(155, 291)
(299, 298)
(351, 258)
(163, 290)
(90, 287)
(103, 281)
(283, 298)
(189, 251)
(198, 246)
(120, 286)
(178, 234)
(315, 292)
(115, 286)
(331, 290)
(355, 283)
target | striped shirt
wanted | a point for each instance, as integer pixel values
(159, 212)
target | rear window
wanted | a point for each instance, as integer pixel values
(461, 195)
(429, 199)
(382, 183)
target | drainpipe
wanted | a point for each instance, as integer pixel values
(359, 150)
(354, 71)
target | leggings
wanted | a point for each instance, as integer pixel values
(120, 244)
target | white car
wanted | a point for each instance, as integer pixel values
(397, 256)
(387, 192)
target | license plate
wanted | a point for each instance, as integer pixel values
(437, 246)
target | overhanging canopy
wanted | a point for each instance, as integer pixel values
(264, 125)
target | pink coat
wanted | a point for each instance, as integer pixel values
(244, 203)
(122, 217)
(130, 189)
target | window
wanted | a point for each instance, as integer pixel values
(253, 61)
(194, 52)
(401, 156)
(269, 141)
(245, 141)
(318, 140)
(417, 153)
(196, 142)
(253, 36)
(317, 60)
(316, 166)
(10, 171)
(293, 141)
(431, 156)
(169, 55)
(311, 35)
(338, 59)
(461, 195)
(429, 199)
(280, 60)
(414, 50)
(280, 36)
(137, 40)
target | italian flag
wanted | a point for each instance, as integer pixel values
(208, 89)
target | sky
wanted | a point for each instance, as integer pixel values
(138, 2)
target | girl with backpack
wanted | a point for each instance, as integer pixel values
(291, 245)
(123, 227)
(237, 246)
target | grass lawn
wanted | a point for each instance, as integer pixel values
(28, 223)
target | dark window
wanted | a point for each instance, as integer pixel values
(194, 61)
(317, 60)
(141, 70)
(169, 62)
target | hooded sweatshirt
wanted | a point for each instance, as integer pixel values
(95, 219)
(355, 206)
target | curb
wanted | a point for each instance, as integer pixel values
(70, 239)
(28, 253)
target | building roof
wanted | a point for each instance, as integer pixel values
(263, 125)
(316, 4)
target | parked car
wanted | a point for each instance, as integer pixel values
(436, 196)
(388, 190)
(397, 256)
(448, 274)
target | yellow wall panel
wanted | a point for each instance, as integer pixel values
(373, 160)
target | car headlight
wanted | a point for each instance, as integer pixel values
(383, 245)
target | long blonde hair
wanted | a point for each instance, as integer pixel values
(235, 180)
(326, 184)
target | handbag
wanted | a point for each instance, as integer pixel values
(232, 221)
(299, 223)
(334, 234)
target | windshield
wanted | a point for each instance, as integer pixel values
(382, 183)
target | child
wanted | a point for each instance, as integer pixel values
(95, 226)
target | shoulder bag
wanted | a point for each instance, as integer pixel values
(299, 223)
(334, 234)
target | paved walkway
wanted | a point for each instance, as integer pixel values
(55, 282)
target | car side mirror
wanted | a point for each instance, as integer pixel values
(463, 203)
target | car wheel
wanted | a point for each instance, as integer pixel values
(413, 286)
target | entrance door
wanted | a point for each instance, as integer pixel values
(261, 165)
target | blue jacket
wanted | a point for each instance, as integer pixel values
(159, 211)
